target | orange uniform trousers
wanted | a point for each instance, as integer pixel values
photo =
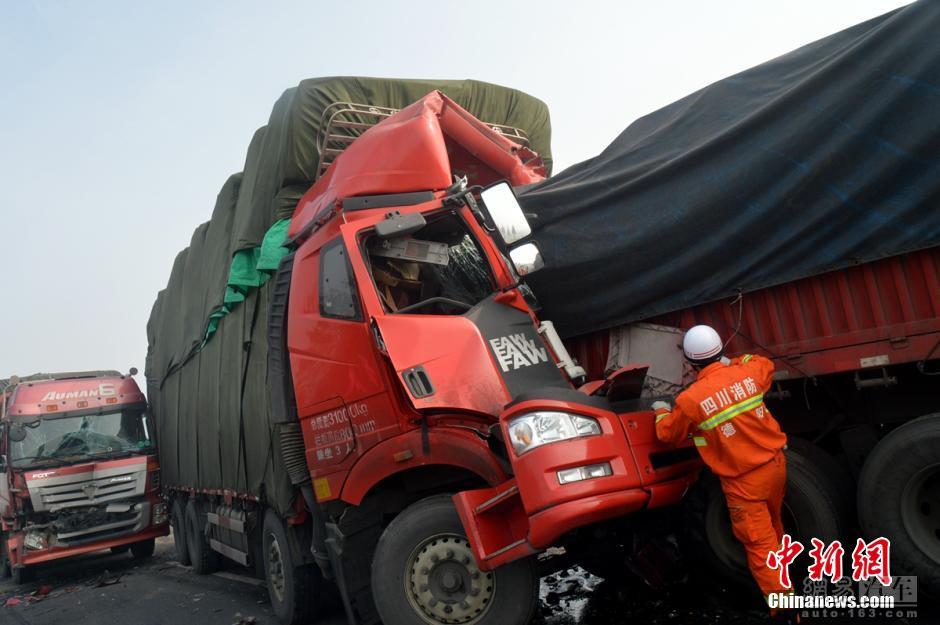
(754, 500)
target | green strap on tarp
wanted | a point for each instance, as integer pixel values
(250, 269)
(272, 249)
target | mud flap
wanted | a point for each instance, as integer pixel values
(496, 524)
(351, 560)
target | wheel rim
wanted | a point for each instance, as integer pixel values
(276, 568)
(443, 583)
(920, 510)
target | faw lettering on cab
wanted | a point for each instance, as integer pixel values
(515, 351)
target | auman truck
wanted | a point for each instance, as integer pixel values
(78, 470)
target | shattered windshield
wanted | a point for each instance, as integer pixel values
(440, 269)
(81, 437)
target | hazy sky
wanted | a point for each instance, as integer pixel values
(119, 123)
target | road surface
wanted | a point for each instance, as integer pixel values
(114, 588)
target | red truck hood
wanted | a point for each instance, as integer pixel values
(478, 361)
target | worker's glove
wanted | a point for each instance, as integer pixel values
(661, 405)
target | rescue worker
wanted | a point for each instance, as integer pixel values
(723, 412)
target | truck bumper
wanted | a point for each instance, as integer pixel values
(530, 512)
(500, 532)
(26, 557)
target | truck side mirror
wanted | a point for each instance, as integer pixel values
(504, 210)
(527, 258)
(3, 463)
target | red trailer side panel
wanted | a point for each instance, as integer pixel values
(871, 315)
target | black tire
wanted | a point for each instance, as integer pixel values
(204, 560)
(5, 570)
(143, 549)
(413, 538)
(295, 590)
(178, 525)
(810, 509)
(23, 574)
(837, 474)
(119, 549)
(899, 498)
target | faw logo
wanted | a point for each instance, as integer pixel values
(103, 390)
(515, 351)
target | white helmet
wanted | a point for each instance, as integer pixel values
(702, 345)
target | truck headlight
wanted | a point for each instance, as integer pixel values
(535, 429)
(36, 540)
(159, 514)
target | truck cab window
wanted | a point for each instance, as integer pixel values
(93, 435)
(440, 269)
(338, 296)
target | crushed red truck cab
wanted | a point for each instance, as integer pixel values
(78, 469)
(409, 256)
(405, 363)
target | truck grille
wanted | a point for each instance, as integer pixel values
(87, 485)
(100, 524)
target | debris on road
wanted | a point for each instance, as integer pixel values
(41, 592)
(105, 579)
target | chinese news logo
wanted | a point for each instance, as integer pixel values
(870, 560)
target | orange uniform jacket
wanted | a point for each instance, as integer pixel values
(724, 412)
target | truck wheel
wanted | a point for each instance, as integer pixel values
(296, 590)
(722, 549)
(143, 549)
(178, 524)
(204, 560)
(424, 573)
(899, 498)
(23, 574)
(810, 509)
(840, 479)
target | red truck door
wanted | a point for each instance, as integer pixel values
(340, 392)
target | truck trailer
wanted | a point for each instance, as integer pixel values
(857, 355)
(385, 414)
(78, 470)
(793, 207)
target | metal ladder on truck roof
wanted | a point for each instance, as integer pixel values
(343, 122)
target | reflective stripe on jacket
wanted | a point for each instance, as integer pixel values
(723, 412)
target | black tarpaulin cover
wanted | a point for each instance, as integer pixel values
(822, 158)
